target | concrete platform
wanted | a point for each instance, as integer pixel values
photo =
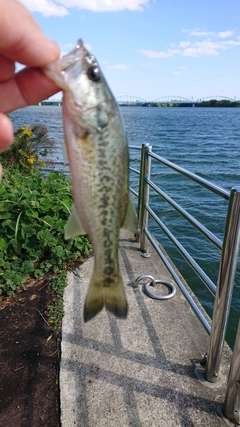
(139, 371)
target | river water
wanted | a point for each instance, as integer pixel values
(205, 141)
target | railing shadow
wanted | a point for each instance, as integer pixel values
(86, 370)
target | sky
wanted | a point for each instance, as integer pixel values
(152, 48)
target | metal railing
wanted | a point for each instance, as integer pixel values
(229, 254)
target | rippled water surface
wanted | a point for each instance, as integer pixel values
(205, 141)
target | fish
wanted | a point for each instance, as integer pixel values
(97, 152)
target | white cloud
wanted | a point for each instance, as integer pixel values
(45, 7)
(202, 48)
(68, 45)
(118, 66)
(184, 44)
(206, 46)
(196, 33)
(225, 34)
(88, 46)
(61, 7)
(154, 54)
(203, 33)
(180, 70)
(105, 5)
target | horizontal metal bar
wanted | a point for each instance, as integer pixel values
(134, 170)
(135, 147)
(207, 184)
(179, 283)
(133, 192)
(194, 265)
(207, 233)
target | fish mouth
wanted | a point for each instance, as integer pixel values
(71, 64)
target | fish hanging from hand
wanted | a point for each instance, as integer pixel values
(97, 150)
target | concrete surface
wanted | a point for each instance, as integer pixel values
(139, 371)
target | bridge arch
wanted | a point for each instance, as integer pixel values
(130, 100)
(171, 99)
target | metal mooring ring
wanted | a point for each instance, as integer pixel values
(153, 282)
(155, 296)
(145, 276)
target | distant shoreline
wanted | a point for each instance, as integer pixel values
(211, 103)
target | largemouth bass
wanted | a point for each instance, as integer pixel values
(98, 159)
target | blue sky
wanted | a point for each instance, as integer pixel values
(152, 48)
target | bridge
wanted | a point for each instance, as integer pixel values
(129, 100)
(169, 99)
(172, 99)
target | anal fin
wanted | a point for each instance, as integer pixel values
(130, 222)
(73, 227)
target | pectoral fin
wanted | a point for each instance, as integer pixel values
(130, 221)
(73, 227)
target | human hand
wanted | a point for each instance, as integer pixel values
(21, 40)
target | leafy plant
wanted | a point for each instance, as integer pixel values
(30, 146)
(33, 212)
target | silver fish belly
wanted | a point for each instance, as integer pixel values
(98, 159)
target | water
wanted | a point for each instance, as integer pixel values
(202, 140)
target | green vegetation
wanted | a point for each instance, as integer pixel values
(30, 148)
(221, 103)
(33, 211)
(211, 103)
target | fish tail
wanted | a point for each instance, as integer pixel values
(106, 293)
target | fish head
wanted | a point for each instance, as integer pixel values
(89, 101)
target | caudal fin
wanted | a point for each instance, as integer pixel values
(100, 294)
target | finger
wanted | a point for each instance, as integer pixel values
(25, 42)
(7, 68)
(6, 132)
(27, 87)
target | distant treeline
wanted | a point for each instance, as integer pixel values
(211, 103)
(222, 103)
(50, 103)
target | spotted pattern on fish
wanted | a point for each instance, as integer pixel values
(98, 159)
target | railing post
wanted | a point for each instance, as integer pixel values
(143, 198)
(231, 407)
(225, 285)
(140, 189)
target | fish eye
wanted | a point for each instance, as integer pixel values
(93, 74)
